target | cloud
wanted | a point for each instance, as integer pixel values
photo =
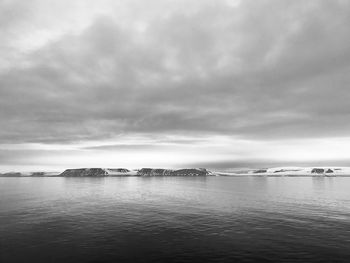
(265, 70)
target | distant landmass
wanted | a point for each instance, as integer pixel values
(104, 172)
(115, 172)
(95, 172)
(289, 171)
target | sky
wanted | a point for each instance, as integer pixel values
(174, 83)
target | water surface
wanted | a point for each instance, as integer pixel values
(175, 219)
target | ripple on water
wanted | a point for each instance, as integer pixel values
(214, 219)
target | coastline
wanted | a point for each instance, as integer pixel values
(190, 172)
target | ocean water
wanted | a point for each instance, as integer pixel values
(175, 219)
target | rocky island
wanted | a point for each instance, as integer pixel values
(103, 172)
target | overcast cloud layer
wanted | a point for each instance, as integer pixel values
(220, 81)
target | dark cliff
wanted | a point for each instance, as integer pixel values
(92, 172)
(167, 172)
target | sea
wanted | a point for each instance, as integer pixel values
(175, 219)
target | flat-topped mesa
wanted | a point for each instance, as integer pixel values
(154, 172)
(97, 172)
(92, 172)
(191, 172)
(167, 172)
(102, 172)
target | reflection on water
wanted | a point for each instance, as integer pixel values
(174, 219)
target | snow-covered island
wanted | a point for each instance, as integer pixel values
(328, 171)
